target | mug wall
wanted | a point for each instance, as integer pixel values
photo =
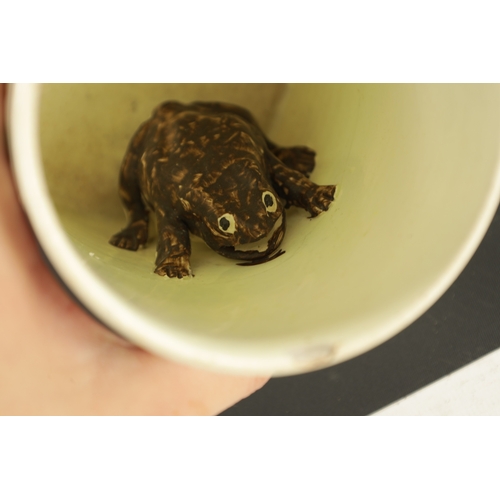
(415, 166)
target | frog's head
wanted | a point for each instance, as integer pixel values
(243, 216)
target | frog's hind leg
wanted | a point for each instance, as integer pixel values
(299, 158)
(136, 233)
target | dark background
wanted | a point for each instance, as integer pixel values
(461, 327)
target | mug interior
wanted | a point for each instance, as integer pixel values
(418, 182)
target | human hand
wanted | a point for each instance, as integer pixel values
(57, 360)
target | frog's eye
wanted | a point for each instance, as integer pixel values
(269, 201)
(226, 223)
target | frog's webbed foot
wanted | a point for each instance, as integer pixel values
(174, 267)
(300, 158)
(132, 237)
(296, 189)
(319, 199)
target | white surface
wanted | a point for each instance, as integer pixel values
(471, 390)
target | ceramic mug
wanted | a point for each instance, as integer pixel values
(417, 170)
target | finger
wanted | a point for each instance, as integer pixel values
(3, 138)
(150, 385)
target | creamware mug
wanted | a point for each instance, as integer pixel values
(417, 170)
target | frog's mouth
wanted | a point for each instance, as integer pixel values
(259, 250)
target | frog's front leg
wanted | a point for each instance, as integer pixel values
(299, 191)
(174, 247)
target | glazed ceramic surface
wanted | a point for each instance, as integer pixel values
(418, 182)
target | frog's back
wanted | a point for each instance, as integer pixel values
(202, 136)
(190, 147)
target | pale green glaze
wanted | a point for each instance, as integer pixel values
(417, 174)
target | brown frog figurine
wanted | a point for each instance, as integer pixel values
(207, 168)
